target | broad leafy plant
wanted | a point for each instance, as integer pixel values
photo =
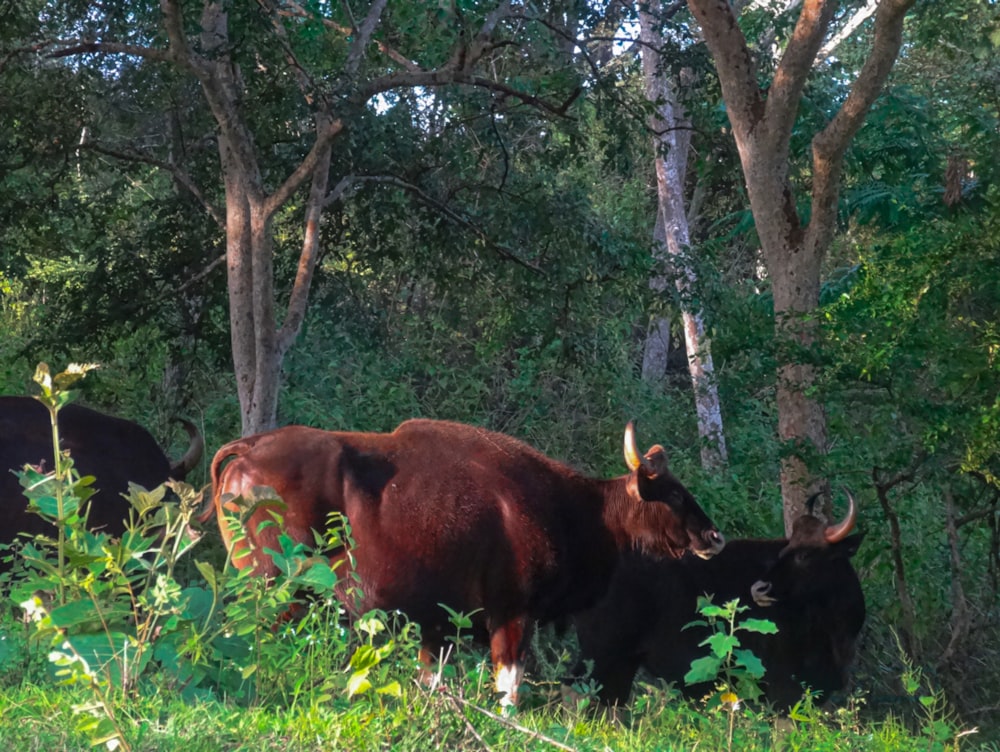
(736, 670)
(119, 618)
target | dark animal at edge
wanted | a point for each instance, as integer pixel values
(805, 585)
(113, 450)
(448, 513)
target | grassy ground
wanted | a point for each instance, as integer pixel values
(41, 715)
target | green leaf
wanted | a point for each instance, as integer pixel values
(208, 572)
(198, 603)
(73, 373)
(750, 662)
(49, 506)
(711, 610)
(43, 377)
(107, 653)
(8, 654)
(232, 647)
(358, 684)
(371, 625)
(703, 669)
(762, 626)
(364, 658)
(386, 650)
(722, 644)
(459, 619)
(145, 501)
(392, 688)
(106, 734)
(74, 613)
(320, 576)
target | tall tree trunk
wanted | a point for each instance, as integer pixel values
(762, 120)
(656, 351)
(672, 138)
(259, 346)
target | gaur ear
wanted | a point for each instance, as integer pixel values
(656, 461)
(652, 465)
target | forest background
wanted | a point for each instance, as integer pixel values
(347, 215)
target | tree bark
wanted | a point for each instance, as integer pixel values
(258, 348)
(762, 120)
(656, 352)
(672, 138)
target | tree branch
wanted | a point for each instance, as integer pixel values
(908, 612)
(179, 51)
(793, 70)
(32, 49)
(340, 190)
(859, 17)
(979, 514)
(208, 269)
(456, 71)
(446, 77)
(179, 175)
(464, 58)
(830, 144)
(961, 621)
(299, 297)
(294, 9)
(507, 722)
(70, 47)
(733, 62)
(501, 250)
(362, 36)
(326, 131)
(306, 83)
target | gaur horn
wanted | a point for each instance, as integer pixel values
(633, 458)
(811, 502)
(187, 463)
(838, 532)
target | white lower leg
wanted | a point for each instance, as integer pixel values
(508, 679)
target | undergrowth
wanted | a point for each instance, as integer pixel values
(109, 642)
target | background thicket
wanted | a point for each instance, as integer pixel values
(489, 261)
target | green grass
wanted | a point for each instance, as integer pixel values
(41, 715)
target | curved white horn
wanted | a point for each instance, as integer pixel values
(838, 532)
(633, 458)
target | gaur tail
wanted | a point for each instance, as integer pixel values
(232, 449)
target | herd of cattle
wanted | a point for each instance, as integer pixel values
(447, 513)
